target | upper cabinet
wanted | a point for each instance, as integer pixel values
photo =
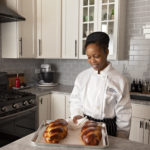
(70, 28)
(18, 37)
(107, 16)
(59, 28)
(49, 28)
(39, 36)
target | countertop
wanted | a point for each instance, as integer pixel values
(39, 91)
(114, 144)
(67, 89)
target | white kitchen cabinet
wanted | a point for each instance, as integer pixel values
(70, 28)
(140, 124)
(107, 16)
(54, 106)
(57, 106)
(60, 107)
(49, 28)
(44, 108)
(18, 37)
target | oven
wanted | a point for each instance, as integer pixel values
(18, 112)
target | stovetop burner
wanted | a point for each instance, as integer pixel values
(8, 95)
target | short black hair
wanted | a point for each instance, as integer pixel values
(99, 38)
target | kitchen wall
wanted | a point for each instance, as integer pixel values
(138, 64)
(26, 66)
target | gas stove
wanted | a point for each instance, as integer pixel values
(18, 110)
(13, 101)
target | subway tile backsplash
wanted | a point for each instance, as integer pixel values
(137, 66)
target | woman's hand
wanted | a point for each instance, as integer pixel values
(75, 118)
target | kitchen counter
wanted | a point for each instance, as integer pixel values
(39, 91)
(115, 144)
(66, 89)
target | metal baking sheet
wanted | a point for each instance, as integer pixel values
(72, 140)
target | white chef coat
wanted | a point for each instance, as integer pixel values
(103, 95)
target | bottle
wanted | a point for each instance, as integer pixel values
(140, 86)
(17, 82)
(145, 86)
(133, 86)
(136, 85)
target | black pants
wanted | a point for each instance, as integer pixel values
(110, 124)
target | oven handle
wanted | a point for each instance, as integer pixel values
(15, 115)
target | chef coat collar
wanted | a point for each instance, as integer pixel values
(105, 71)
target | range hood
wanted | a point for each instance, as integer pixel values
(8, 15)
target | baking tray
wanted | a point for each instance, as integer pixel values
(72, 140)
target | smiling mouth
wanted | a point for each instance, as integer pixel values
(95, 66)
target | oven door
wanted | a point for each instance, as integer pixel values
(19, 124)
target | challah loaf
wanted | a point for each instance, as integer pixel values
(91, 133)
(56, 131)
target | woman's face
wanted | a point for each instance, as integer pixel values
(96, 56)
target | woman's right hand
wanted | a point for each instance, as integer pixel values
(75, 118)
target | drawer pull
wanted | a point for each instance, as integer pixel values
(41, 100)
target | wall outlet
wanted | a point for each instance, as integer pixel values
(37, 71)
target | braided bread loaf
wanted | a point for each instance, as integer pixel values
(56, 131)
(91, 133)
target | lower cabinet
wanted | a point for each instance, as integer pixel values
(44, 108)
(53, 106)
(57, 106)
(140, 124)
(60, 107)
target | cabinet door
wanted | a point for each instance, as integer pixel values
(111, 19)
(68, 115)
(9, 35)
(44, 108)
(70, 27)
(88, 22)
(107, 16)
(146, 132)
(27, 28)
(137, 130)
(57, 106)
(19, 35)
(49, 28)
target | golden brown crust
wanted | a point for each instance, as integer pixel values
(91, 133)
(55, 131)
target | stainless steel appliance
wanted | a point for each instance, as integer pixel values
(46, 73)
(18, 112)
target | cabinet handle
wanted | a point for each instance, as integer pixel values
(39, 47)
(41, 100)
(146, 125)
(75, 48)
(141, 124)
(20, 46)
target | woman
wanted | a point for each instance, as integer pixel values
(100, 92)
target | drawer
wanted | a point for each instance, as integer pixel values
(141, 111)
